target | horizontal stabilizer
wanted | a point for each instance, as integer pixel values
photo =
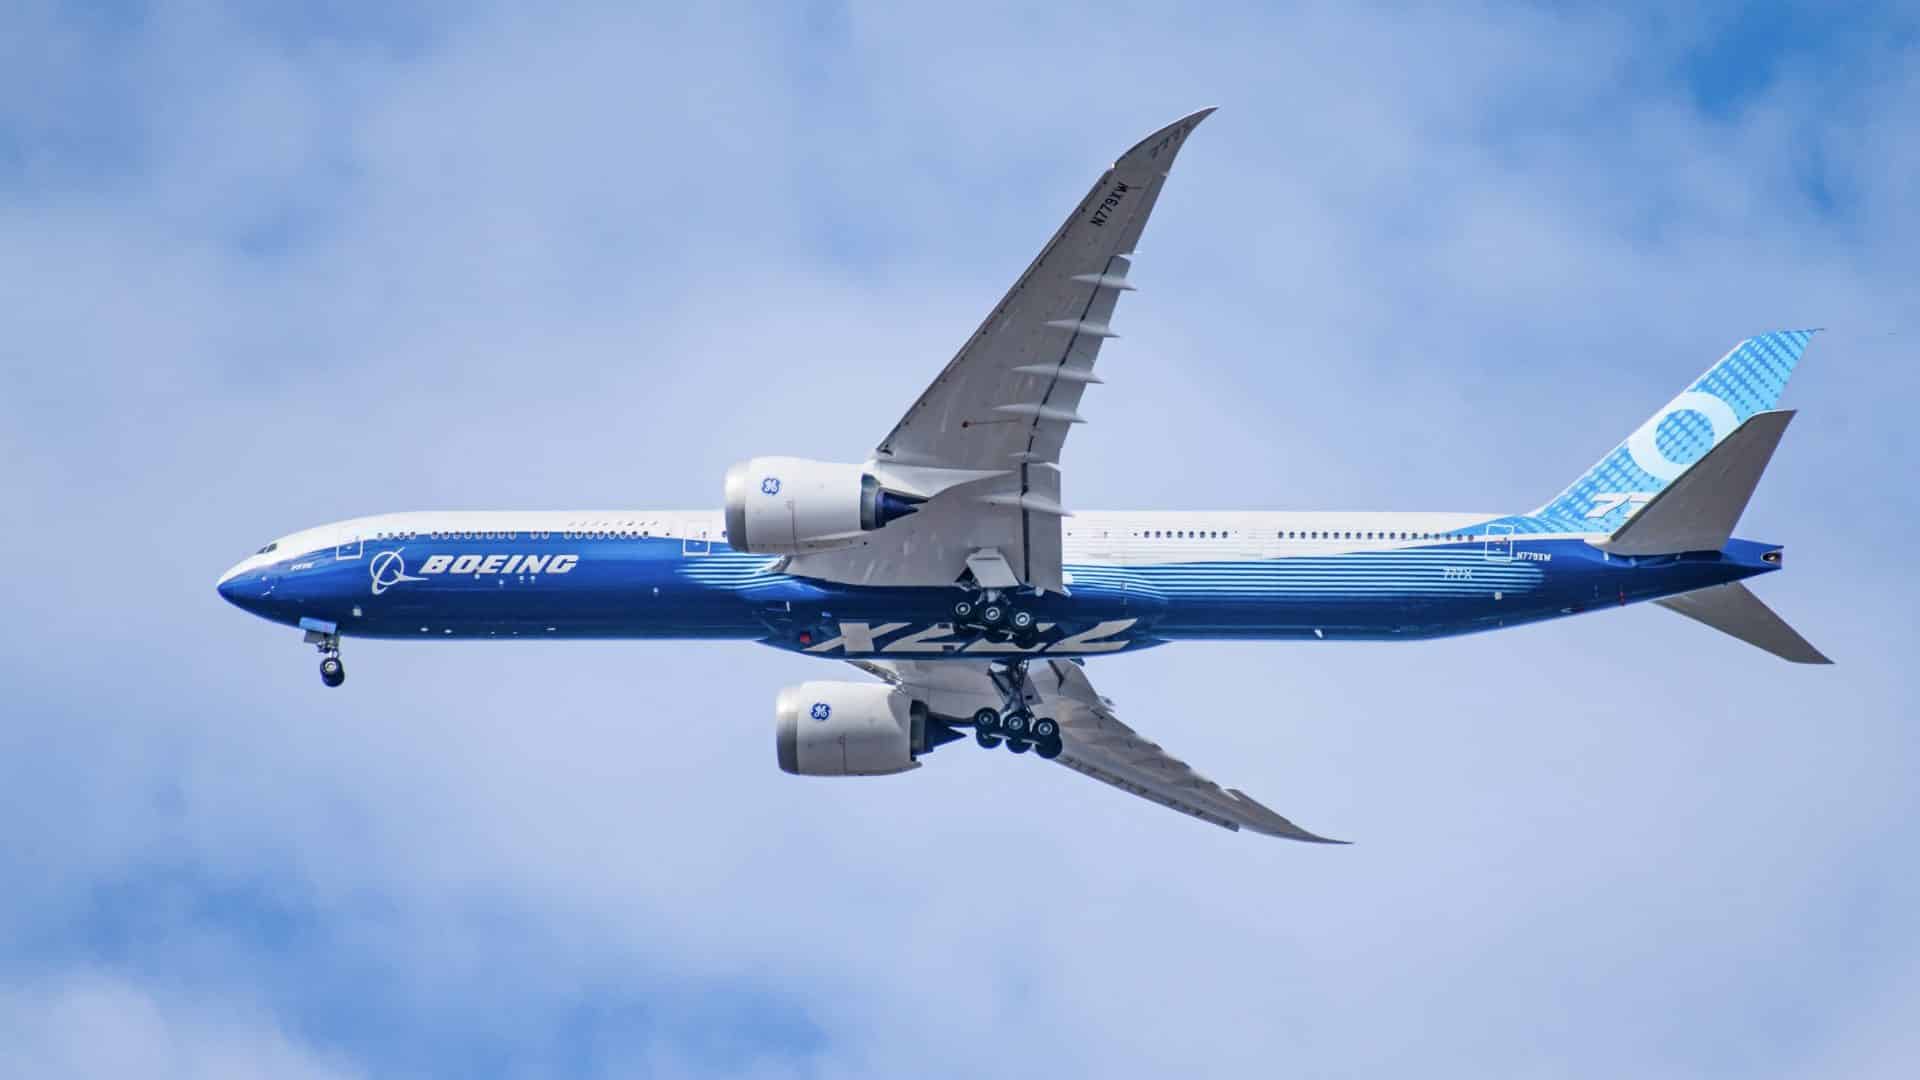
(1697, 512)
(1733, 609)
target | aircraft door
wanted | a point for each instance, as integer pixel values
(1500, 543)
(349, 547)
(1103, 546)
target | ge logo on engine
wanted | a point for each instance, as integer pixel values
(821, 710)
(770, 486)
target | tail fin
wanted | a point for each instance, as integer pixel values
(1748, 380)
(1698, 511)
(1733, 609)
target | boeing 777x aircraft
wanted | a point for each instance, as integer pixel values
(946, 565)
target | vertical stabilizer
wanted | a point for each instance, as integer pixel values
(1746, 381)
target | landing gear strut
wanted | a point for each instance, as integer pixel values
(1014, 723)
(332, 671)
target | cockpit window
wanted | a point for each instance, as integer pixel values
(268, 548)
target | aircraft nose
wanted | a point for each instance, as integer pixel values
(229, 584)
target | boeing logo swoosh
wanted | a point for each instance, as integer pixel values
(388, 569)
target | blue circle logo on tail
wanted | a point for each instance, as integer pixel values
(1654, 460)
(821, 710)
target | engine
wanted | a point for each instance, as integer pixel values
(849, 729)
(789, 506)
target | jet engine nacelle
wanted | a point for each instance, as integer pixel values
(789, 506)
(847, 729)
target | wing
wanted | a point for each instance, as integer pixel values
(1012, 391)
(1095, 742)
(983, 442)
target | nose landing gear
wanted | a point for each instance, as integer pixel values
(332, 671)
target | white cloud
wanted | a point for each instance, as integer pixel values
(91, 1025)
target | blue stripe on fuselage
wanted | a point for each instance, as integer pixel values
(664, 588)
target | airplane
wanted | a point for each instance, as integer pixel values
(947, 566)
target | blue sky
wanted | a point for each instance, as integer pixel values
(266, 268)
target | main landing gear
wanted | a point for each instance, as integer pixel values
(332, 671)
(1014, 723)
(993, 613)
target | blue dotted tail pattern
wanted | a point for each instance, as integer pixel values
(1749, 379)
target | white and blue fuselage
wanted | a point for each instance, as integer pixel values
(1132, 579)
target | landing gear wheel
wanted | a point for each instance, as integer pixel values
(986, 728)
(332, 671)
(1045, 729)
(963, 610)
(1019, 746)
(993, 615)
(1048, 748)
(1014, 723)
(1022, 620)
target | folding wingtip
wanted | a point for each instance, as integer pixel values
(1312, 838)
(1295, 832)
(1261, 819)
(1192, 120)
(1167, 138)
(1189, 120)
